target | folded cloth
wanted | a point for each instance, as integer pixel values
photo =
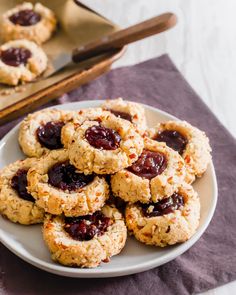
(211, 262)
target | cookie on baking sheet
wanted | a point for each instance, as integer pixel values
(28, 21)
(21, 61)
(190, 142)
(40, 132)
(172, 220)
(155, 175)
(105, 146)
(91, 114)
(16, 203)
(85, 241)
(127, 110)
(58, 187)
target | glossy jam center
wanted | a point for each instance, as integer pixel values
(65, 177)
(173, 139)
(26, 17)
(149, 164)
(49, 135)
(19, 184)
(165, 206)
(122, 115)
(15, 56)
(84, 228)
(103, 138)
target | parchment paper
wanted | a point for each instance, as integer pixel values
(77, 26)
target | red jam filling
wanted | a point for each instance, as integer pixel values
(103, 138)
(65, 177)
(173, 139)
(15, 56)
(49, 135)
(165, 206)
(84, 228)
(19, 184)
(25, 18)
(149, 164)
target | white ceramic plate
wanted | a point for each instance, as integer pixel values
(27, 242)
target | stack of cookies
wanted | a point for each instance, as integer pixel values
(81, 163)
(24, 28)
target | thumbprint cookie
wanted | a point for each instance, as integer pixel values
(28, 21)
(60, 189)
(105, 146)
(190, 142)
(40, 132)
(16, 203)
(89, 114)
(85, 241)
(155, 175)
(172, 220)
(21, 61)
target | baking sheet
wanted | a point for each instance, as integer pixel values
(77, 26)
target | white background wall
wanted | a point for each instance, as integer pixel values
(202, 45)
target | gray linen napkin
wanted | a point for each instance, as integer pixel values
(211, 262)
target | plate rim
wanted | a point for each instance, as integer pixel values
(119, 271)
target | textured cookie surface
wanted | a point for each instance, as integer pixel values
(128, 110)
(132, 188)
(196, 154)
(79, 201)
(168, 229)
(12, 206)
(28, 21)
(28, 138)
(88, 159)
(91, 114)
(91, 253)
(34, 62)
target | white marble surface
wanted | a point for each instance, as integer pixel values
(202, 45)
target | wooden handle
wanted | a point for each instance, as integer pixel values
(121, 38)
